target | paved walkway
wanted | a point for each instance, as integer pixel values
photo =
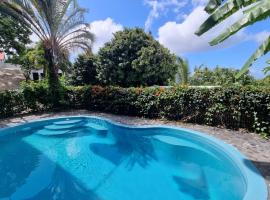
(253, 146)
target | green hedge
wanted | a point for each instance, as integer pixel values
(232, 107)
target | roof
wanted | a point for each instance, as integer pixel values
(2, 56)
(10, 78)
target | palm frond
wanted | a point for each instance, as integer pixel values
(223, 12)
(58, 23)
(262, 50)
(253, 15)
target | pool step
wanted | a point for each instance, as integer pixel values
(68, 122)
(60, 127)
(176, 142)
(51, 132)
(182, 143)
(71, 126)
(99, 129)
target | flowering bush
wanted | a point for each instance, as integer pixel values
(230, 107)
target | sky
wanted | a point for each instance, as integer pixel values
(173, 23)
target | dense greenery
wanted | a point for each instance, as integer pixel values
(84, 70)
(265, 82)
(135, 58)
(13, 35)
(60, 26)
(32, 58)
(219, 76)
(253, 11)
(231, 107)
(183, 71)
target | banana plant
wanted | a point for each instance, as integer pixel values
(60, 26)
(253, 11)
(183, 70)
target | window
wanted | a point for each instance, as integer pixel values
(35, 76)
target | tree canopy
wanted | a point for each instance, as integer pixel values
(32, 58)
(84, 70)
(14, 36)
(219, 76)
(135, 58)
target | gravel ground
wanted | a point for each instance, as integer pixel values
(253, 146)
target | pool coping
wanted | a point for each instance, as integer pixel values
(256, 185)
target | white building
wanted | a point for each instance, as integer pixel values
(36, 75)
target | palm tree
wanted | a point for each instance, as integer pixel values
(183, 70)
(59, 24)
(253, 11)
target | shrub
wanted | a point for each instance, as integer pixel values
(231, 107)
(11, 102)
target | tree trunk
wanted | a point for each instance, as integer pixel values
(53, 81)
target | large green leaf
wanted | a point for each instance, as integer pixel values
(223, 12)
(262, 50)
(212, 5)
(256, 14)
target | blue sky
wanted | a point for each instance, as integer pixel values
(173, 23)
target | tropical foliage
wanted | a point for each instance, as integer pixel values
(135, 58)
(32, 58)
(231, 107)
(253, 11)
(219, 76)
(183, 70)
(265, 82)
(14, 36)
(60, 26)
(84, 70)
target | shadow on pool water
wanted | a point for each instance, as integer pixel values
(135, 148)
(263, 167)
(15, 182)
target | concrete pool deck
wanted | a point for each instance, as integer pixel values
(251, 145)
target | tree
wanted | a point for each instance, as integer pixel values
(253, 11)
(14, 36)
(33, 58)
(219, 77)
(60, 26)
(183, 70)
(265, 82)
(85, 70)
(135, 58)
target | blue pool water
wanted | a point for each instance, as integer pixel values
(82, 158)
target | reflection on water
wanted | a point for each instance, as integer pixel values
(17, 161)
(197, 188)
(133, 148)
(27, 174)
(64, 186)
(123, 164)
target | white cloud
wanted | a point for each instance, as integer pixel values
(180, 37)
(159, 7)
(103, 30)
(261, 36)
(196, 3)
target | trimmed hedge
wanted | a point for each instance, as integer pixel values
(232, 107)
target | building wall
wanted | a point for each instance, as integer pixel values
(2, 56)
(40, 74)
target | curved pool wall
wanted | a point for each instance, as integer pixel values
(172, 146)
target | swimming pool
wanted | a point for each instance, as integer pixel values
(90, 158)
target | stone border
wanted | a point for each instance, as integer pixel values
(253, 146)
